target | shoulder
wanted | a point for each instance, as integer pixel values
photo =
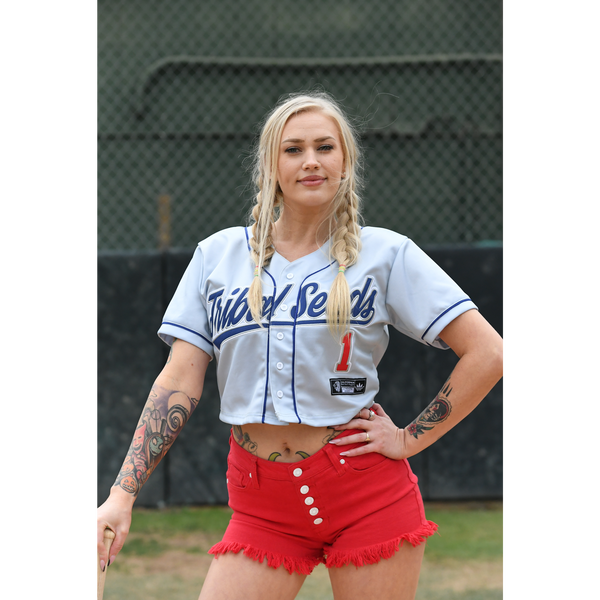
(223, 248)
(231, 235)
(230, 239)
(379, 238)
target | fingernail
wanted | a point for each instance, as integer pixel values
(102, 565)
(112, 560)
(343, 454)
(333, 441)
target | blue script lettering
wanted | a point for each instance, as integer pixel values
(363, 306)
(236, 308)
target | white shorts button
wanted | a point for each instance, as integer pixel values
(318, 521)
(280, 365)
(297, 472)
(304, 489)
(314, 511)
(309, 500)
(280, 336)
(280, 394)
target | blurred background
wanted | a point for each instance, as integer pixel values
(182, 87)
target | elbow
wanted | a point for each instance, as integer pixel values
(495, 360)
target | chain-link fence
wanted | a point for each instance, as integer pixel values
(182, 85)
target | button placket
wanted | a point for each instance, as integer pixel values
(280, 370)
(308, 500)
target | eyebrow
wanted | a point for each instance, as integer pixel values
(298, 140)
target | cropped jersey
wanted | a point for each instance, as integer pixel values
(292, 370)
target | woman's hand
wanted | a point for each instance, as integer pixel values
(383, 436)
(114, 514)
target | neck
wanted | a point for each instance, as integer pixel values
(295, 236)
(301, 230)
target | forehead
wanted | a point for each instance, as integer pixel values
(309, 123)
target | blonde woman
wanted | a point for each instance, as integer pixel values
(295, 310)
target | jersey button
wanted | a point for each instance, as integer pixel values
(290, 275)
(280, 336)
(304, 489)
(309, 500)
(297, 472)
(318, 521)
(314, 511)
(280, 394)
(283, 307)
(280, 365)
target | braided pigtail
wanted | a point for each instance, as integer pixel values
(345, 248)
(261, 252)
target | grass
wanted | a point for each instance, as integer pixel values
(166, 555)
(466, 532)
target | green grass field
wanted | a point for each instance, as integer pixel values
(166, 555)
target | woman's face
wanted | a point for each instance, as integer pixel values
(311, 162)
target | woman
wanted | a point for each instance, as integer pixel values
(295, 309)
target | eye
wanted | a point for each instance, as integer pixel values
(325, 147)
(292, 150)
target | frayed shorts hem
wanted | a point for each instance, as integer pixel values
(334, 559)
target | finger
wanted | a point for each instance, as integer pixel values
(378, 409)
(105, 549)
(365, 449)
(357, 438)
(99, 537)
(361, 414)
(116, 547)
(354, 424)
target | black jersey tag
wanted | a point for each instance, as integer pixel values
(345, 386)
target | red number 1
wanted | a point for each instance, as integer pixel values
(344, 364)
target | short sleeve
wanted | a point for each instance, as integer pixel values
(186, 317)
(421, 297)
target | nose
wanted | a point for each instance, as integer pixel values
(311, 161)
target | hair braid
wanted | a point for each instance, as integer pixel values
(261, 252)
(345, 248)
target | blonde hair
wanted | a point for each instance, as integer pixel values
(344, 221)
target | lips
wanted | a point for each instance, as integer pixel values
(312, 180)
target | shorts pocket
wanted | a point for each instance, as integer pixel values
(366, 462)
(236, 478)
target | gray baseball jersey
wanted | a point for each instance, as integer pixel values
(292, 370)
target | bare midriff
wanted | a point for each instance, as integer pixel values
(290, 443)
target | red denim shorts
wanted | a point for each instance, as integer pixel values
(326, 508)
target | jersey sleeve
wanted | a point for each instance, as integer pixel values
(186, 317)
(421, 297)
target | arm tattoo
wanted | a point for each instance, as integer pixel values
(163, 417)
(437, 412)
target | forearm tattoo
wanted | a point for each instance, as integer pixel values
(163, 417)
(437, 412)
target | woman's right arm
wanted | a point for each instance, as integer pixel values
(172, 399)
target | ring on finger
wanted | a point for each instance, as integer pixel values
(371, 415)
(367, 439)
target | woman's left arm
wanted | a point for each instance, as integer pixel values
(479, 349)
